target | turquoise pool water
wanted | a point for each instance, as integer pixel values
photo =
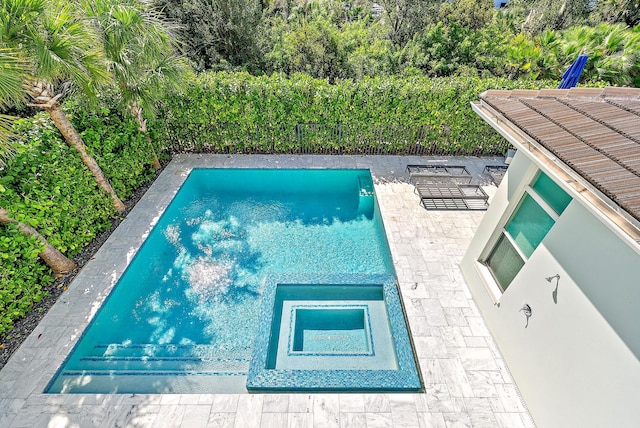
(185, 314)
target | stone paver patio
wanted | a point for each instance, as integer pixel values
(467, 383)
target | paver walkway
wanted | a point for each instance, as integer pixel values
(466, 381)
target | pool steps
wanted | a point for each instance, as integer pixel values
(169, 368)
(144, 359)
(366, 196)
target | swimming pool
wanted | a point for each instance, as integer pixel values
(185, 315)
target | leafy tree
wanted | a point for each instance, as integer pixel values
(279, 9)
(141, 50)
(472, 14)
(61, 52)
(367, 53)
(491, 46)
(351, 39)
(442, 50)
(218, 34)
(338, 11)
(309, 46)
(406, 18)
(617, 11)
(356, 10)
(536, 16)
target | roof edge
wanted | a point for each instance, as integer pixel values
(609, 92)
(621, 222)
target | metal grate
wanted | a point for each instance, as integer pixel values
(439, 174)
(452, 197)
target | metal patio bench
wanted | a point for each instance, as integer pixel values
(439, 174)
(452, 196)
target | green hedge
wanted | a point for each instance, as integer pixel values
(240, 113)
(45, 185)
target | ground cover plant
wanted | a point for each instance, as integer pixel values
(45, 185)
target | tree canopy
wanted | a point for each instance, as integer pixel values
(350, 39)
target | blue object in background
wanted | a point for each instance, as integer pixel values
(572, 75)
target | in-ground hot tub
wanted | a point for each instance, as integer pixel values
(334, 333)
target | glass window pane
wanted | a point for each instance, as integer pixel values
(529, 225)
(504, 262)
(557, 198)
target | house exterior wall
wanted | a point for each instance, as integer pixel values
(577, 360)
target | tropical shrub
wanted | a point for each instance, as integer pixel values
(613, 50)
(23, 278)
(45, 185)
(116, 142)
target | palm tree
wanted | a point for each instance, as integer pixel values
(62, 52)
(141, 49)
(12, 69)
(56, 261)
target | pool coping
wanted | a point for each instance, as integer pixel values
(466, 379)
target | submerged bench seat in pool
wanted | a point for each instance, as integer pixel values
(253, 279)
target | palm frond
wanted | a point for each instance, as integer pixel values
(140, 48)
(6, 137)
(55, 40)
(13, 69)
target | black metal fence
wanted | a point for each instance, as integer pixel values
(314, 138)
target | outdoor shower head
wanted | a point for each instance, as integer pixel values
(549, 278)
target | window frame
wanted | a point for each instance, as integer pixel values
(485, 262)
(493, 285)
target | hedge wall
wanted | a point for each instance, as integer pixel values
(239, 113)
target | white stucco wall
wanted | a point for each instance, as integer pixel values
(577, 362)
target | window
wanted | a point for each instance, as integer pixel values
(551, 193)
(536, 213)
(504, 262)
